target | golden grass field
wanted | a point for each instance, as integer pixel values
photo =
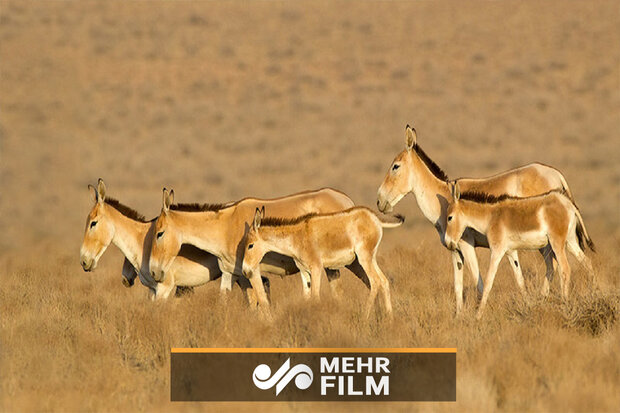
(221, 101)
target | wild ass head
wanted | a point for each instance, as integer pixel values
(99, 230)
(399, 180)
(255, 248)
(455, 225)
(167, 239)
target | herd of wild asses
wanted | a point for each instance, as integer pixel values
(315, 233)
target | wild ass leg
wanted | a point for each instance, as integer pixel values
(466, 245)
(261, 296)
(333, 277)
(248, 291)
(385, 287)
(306, 283)
(226, 282)
(548, 255)
(129, 273)
(457, 263)
(367, 264)
(317, 275)
(573, 247)
(360, 271)
(496, 257)
(164, 289)
(564, 268)
(513, 258)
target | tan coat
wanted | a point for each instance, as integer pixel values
(111, 222)
(511, 224)
(412, 171)
(343, 239)
(220, 229)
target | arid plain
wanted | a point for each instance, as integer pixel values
(222, 101)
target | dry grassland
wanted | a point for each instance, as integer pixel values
(221, 101)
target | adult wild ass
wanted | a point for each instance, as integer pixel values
(221, 228)
(109, 221)
(317, 241)
(511, 223)
(412, 171)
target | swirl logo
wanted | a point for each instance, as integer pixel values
(264, 380)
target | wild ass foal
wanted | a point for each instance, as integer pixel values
(221, 228)
(343, 239)
(109, 221)
(511, 223)
(412, 171)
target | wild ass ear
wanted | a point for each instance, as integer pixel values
(170, 198)
(95, 194)
(258, 216)
(456, 191)
(100, 190)
(167, 200)
(411, 137)
(262, 212)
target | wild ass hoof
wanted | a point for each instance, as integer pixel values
(126, 282)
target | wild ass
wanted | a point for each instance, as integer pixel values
(221, 228)
(109, 221)
(317, 241)
(511, 223)
(412, 171)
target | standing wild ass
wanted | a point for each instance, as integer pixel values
(109, 221)
(412, 171)
(317, 241)
(221, 228)
(511, 223)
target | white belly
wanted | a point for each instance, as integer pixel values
(191, 274)
(338, 259)
(528, 240)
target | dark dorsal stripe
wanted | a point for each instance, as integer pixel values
(484, 198)
(279, 222)
(125, 210)
(430, 164)
(195, 207)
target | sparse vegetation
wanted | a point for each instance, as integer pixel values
(229, 100)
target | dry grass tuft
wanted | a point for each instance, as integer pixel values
(594, 313)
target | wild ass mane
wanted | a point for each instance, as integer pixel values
(430, 164)
(280, 222)
(484, 198)
(125, 210)
(196, 207)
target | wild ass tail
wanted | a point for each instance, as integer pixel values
(391, 221)
(566, 189)
(582, 233)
